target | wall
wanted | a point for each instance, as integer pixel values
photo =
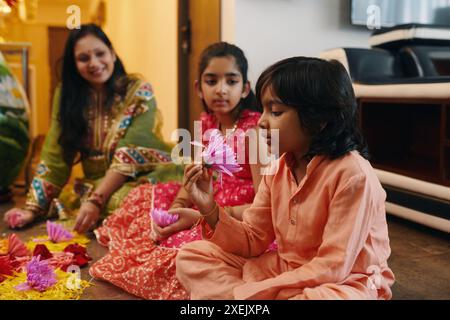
(270, 30)
(145, 37)
(49, 13)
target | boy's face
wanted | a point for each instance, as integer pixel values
(276, 115)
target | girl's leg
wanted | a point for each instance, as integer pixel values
(208, 272)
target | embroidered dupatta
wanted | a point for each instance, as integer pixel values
(132, 146)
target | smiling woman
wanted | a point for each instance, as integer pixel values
(94, 60)
(101, 117)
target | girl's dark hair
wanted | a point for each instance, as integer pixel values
(322, 93)
(225, 49)
(76, 93)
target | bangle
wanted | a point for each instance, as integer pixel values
(36, 210)
(96, 199)
(211, 212)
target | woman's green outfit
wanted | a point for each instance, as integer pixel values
(126, 139)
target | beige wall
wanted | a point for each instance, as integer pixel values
(49, 13)
(144, 35)
(40, 86)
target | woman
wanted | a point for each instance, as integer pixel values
(101, 117)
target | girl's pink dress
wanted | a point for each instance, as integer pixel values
(135, 262)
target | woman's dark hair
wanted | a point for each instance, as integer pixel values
(322, 93)
(76, 93)
(225, 49)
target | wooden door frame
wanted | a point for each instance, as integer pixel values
(183, 67)
(185, 118)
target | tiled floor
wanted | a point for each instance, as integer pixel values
(420, 260)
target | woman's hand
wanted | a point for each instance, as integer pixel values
(198, 183)
(18, 218)
(87, 217)
(188, 217)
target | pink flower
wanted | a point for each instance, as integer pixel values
(16, 248)
(218, 155)
(163, 218)
(57, 233)
(40, 276)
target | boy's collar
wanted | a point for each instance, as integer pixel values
(312, 165)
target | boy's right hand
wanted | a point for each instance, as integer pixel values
(198, 183)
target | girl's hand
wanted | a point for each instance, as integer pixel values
(198, 183)
(188, 217)
(87, 217)
(17, 218)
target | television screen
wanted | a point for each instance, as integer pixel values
(388, 13)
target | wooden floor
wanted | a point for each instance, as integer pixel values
(420, 260)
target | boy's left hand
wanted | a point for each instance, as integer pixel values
(188, 217)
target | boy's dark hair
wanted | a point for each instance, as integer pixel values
(322, 93)
(225, 49)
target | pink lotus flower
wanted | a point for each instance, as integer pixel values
(57, 233)
(218, 155)
(40, 276)
(163, 218)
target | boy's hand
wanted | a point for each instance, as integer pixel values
(198, 183)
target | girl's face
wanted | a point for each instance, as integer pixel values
(221, 85)
(94, 60)
(276, 115)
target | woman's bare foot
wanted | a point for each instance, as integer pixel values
(18, 218)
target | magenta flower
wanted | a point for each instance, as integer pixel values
(57, 233)
(40, 276)
(163, 218)
(218, 155)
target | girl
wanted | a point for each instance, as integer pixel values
(102, 117)
(323, 204)
(136, 262)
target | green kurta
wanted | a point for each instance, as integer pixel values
(129, 143)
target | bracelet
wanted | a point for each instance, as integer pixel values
(36, 210)
(211, 212)
(96, 199)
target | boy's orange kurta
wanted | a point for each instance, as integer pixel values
(331, 232)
